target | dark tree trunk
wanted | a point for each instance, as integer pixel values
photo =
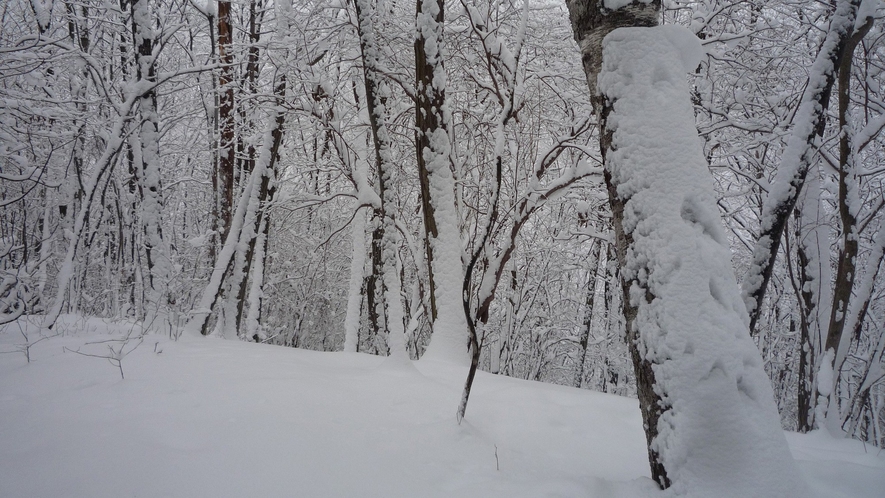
(375, 104)
(266, 192)
(590, 23)
(224, 181)
(588, 314)
(845, 269)
(429, 102)
(777, 209)
(807, 348)
(374, 300)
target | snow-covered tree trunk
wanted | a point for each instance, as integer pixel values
(589, 301)
(812, 289)
(250, 263)
(357, 269)
(256, 282)
(147, 152)
(373, 281)
(242, 256)
(91, 189)
(848, 204)
(223, 173)
(244, 214)
(708, 409)
(443, 235)
(873, 371)
(72, 193)
(375, 89)
(429, 101)
(241, 234)
(809, 123)
(501, 346)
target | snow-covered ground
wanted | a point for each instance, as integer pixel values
(209, 417)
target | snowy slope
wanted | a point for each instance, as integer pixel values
(209, 417)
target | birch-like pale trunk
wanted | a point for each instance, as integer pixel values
(357, 270)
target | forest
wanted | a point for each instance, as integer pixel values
(695, 202)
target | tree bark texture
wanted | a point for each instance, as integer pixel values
(226, 141)
(591, 22)
(148, 152)
(797, 158)
(428, 114)
(705, 398)
(375, 99)
(847, 259)
(442, 229)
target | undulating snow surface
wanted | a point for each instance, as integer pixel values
(210, 417)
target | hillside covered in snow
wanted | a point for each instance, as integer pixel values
(209, 417)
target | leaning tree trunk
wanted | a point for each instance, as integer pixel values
(241, 233)
(706, 401)
(848, 206)
(809, 124)
(102, 165)
(247, 234)
(253, 261)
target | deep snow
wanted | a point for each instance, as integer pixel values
(211, 417)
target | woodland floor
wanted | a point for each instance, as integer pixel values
(208, 417)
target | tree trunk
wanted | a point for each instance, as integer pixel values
(442, 231)
(848, 206)
(809, 124)
(147, 149)
(694, 369)
(253, 261)
(357, 270)
(374, 293)
(595, 255)
(224, 190)
(375, 90)
(591, 23)
(807, 350)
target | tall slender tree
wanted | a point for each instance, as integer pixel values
(375, 90)
(147, 148)
(442, 231)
